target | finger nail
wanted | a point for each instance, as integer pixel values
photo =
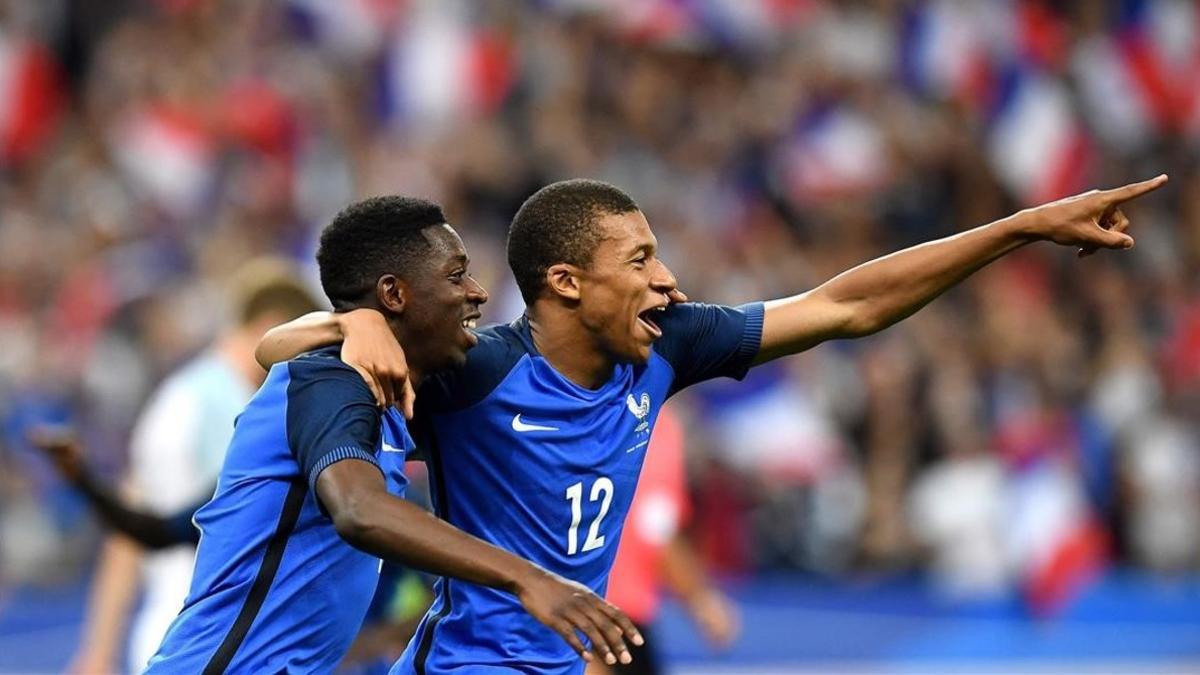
(637, 639)
(626, 658)
(610, 659)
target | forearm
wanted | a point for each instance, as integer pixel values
(402, 532)
(114, 586)
(683, 572)
(295, 337)
(150, 531)
(877, 294)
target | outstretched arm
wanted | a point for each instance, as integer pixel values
(877, 294)
(151, 531)
(371, 519)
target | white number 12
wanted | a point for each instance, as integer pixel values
(575, 494)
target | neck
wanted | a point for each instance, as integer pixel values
(566, 344)
(416, 368)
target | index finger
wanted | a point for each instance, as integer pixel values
(1134, 190)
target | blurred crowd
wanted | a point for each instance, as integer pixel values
(1025, 431)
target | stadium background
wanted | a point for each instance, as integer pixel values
(1007, 481)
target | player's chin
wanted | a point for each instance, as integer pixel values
(638, 354)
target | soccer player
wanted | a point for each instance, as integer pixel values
(291, 543)
(175, 454)
(535, 444)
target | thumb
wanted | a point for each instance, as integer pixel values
(1114, 240)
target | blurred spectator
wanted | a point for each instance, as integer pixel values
(656, 554)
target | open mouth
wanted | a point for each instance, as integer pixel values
(468, 325)
(649, 320)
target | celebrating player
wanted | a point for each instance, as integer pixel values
(535, 444)
(287, 565)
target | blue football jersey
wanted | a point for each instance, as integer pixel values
(526, 459)
(275, 588)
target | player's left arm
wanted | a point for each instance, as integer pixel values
(877, 294)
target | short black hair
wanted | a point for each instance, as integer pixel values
(370, 238)
(557, 224)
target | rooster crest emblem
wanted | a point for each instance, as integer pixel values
(640, 410)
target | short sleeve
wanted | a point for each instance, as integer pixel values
(702, 341)
(331, 416)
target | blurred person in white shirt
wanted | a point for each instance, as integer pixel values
(176, 451)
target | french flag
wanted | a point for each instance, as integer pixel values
(943, 54)
(439, 68)
(169, 155)
(834, 151)
(1036, 143)
(1139, 81)
(350, 28)
(31, 98)
(1058, 544)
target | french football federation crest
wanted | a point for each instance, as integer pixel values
(640, 411)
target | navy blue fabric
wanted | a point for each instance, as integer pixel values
(331, 414)
(705, 341)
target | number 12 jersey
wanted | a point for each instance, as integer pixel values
(524, 458)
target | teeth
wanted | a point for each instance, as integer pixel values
(469, 323)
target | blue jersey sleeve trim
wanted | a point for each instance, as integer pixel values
(702, 341)
(336, 455)
(752, 333)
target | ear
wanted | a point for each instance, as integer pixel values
(392, 293)
(563, 281)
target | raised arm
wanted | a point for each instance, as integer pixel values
(877, 294)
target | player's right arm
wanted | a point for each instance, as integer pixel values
(333, 427)
(881, 292)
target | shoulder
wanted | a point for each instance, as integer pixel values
(499, 349)
(683, 324)
(322, 366)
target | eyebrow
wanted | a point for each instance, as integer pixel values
(647, 247)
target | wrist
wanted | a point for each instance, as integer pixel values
(1025, 226)
(521, 576)
(346, 322)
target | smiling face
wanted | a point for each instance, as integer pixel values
(624, 288)
(441, 304)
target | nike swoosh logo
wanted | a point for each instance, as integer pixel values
(518, 425)
(390, 448)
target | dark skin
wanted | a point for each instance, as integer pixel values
(428, 313)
